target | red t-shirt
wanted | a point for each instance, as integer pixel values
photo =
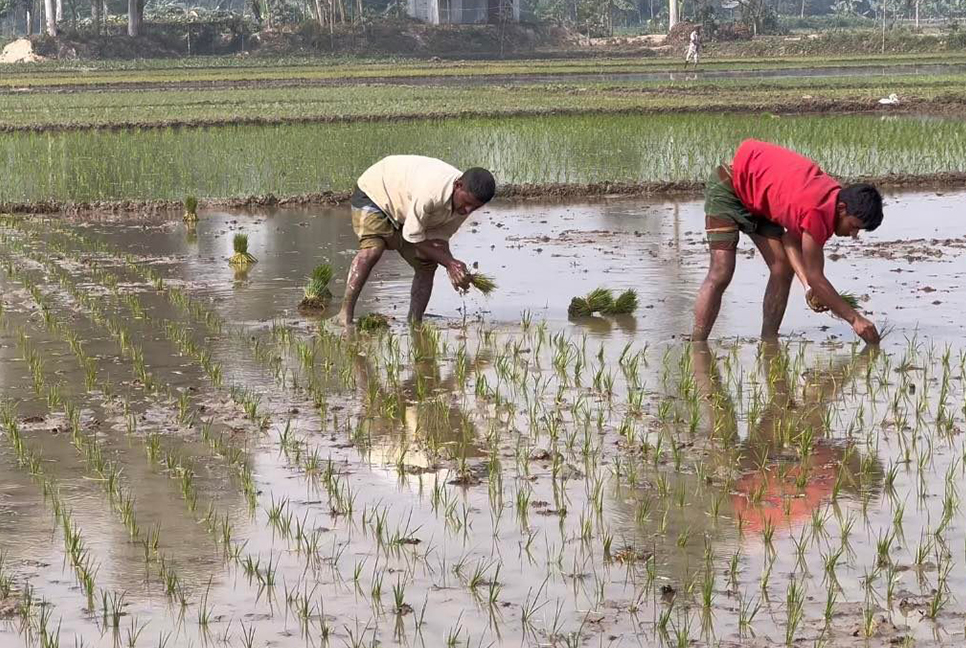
(786, 188)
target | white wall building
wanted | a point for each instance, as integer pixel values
(464, 12)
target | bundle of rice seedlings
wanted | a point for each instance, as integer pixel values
(372, 322)
(483, 283)
(190, 209)
(579, 308)
(600, 300)
(241, 257)
(317, 293)
(625, 304)
(850, 299)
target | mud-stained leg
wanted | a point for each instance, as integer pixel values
(720, 272)
(363, 263)
(780, 275)
(422, 290)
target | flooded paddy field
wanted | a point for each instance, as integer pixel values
(188, 461)
(293, 159)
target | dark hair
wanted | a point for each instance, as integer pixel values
(480, 183)
(864, 202)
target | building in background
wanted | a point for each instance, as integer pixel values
(465, 12)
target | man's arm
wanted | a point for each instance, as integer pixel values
(437, 250)
(793, 250)
(813, 258)
(415, 230)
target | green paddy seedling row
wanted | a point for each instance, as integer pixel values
(306, 159)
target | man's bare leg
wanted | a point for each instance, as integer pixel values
(720, 272)
(363, 263)
(780, 275)
(422, 290)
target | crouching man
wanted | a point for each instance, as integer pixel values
(789, 208)
(413, 205)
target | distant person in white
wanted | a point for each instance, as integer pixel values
(694, 48)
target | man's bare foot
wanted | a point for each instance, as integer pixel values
(345, 320)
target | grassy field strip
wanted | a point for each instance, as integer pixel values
(213, 69)
(159, 108)
(551, 151)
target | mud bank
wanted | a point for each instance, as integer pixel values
(543, 192)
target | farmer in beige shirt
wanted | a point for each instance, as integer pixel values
(412, 204)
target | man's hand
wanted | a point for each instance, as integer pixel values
(459, 275)
(866, 330)
(813, 302)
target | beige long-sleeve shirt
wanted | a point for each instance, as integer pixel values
(417, 193)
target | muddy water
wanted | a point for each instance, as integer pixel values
(542, 255)
(517, 506)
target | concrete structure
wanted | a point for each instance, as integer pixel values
(464, 12)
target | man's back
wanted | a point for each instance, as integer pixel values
(786, 188)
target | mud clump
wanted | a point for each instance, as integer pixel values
(314, 305)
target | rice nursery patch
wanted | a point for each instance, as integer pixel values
(288, 160)
(182, 476)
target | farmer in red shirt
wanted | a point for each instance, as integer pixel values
(790, 208)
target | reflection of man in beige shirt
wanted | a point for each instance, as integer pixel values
(412, 204)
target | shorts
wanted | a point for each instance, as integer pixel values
(372, 225)
(726, 215)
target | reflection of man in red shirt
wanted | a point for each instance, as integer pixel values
(776, 485)
(782, 502)
(789, 208)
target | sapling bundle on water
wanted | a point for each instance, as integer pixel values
(241, 258)
(190, 209)
(317, 293)
(601, 300)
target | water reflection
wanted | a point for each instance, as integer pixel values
(790, 463)
(416, 422)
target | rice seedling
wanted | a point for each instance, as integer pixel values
(241, 258)
(317, 294)
(372, 323)
(482, 282)
(190, 209)
(601, 300)
(850, 299)
(624, 304)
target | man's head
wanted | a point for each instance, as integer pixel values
(859, 208)
(474, 189)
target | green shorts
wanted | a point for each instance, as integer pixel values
(726, 215)
(374, 228)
